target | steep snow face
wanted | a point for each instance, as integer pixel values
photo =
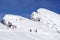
(25, 29)
(47, 14)
(21, 23)
(49, 18)
(24, 24)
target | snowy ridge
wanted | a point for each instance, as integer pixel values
(49, 18)
(50, 15)
(40, 27)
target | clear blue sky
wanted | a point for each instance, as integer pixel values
(26, 7)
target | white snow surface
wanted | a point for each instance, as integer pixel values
(24, 25)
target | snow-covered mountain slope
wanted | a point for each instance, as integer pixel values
(13, 36)
(14, 27)
(7, 34)
(27, 25)
(47, 17)
(52, 16)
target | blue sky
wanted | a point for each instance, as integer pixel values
(26, 7)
